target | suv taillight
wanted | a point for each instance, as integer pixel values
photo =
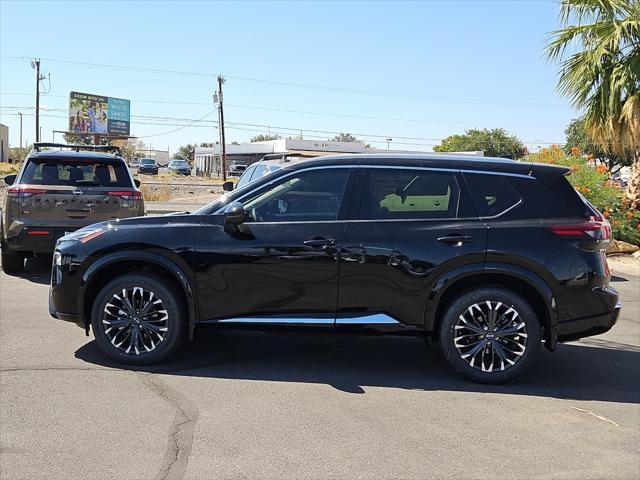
(596, 228)
(127, 195)
(22, 192)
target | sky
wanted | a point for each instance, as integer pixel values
(415, 72)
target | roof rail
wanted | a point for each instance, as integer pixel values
(37, 146)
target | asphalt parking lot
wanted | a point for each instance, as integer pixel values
(258, 405)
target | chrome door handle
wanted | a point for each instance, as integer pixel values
(455, 240)
(320, 242)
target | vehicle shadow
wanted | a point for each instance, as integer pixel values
(37, 270)
(605, 371)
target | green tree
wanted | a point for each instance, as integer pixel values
(579, 142)
(86, 139)
(494, 143)
(17, 154)
(186, 152)
(345, 137)
(264, 138)
(598, 48)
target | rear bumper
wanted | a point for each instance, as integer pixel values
(596, 324)
(35, 240)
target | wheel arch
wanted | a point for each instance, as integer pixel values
(519, 280)
(108, 267)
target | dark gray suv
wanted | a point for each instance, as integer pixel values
(60, 191)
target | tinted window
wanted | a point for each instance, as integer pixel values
(246, 177)
(491, 194)
(72, 173)
(305, 196)
(541, 201)
(399, 193)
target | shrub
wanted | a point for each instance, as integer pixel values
(594, 182)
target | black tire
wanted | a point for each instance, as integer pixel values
(502, 352)
(12, 262)
(152, 345)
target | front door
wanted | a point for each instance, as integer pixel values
(282, 263)
(410, 227)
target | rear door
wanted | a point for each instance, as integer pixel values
(70, 193)
(411, 226)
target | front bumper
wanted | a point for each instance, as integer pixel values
(595, 324)
(65, 290)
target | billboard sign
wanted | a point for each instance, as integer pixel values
(99, 115)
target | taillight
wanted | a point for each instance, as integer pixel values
(22, 192)
(127, 194)
(593, 228)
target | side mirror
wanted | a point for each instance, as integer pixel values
(136, 182)
(10, 179)
(227, 186)
(234, 214)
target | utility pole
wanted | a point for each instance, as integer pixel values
(223, 155)
(20, 130)
(389, 140)
(35, 64)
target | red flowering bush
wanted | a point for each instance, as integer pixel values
(594, 182)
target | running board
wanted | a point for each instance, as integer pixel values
(375, 319)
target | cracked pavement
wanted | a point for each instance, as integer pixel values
(304, 406)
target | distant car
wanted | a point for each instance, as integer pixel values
(236, 168)
(259, 170)
(134, 162)
(179, 167)
(148, 166)
(60, 191)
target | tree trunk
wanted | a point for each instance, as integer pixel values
(633, 187)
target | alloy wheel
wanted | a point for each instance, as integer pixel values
(135, 320)
(490, 336)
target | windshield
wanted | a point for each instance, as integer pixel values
(148, 161)
(73, 172)
(180, 163)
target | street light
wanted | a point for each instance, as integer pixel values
(389, 140)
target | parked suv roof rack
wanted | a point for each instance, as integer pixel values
(37, 146)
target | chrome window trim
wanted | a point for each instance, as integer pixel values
(502, 174)
(399, 167)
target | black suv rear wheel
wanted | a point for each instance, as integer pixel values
(137, 319)
(490, 335)
(12, 262)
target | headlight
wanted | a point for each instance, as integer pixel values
(87, 234)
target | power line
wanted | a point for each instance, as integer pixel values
(329, 88)
(306, 112)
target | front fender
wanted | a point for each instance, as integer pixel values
(151, 257)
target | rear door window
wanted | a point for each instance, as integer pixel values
(76, 173)
(409, 194)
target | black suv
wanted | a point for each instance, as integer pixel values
(60, 190)
(490, 257)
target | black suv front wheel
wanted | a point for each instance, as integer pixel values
(137, 319)
(490, 335)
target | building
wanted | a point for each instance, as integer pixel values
(207, 159)
(4, 143)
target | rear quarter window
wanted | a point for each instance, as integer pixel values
(518, 198)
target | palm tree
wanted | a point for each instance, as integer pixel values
(598, 49)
